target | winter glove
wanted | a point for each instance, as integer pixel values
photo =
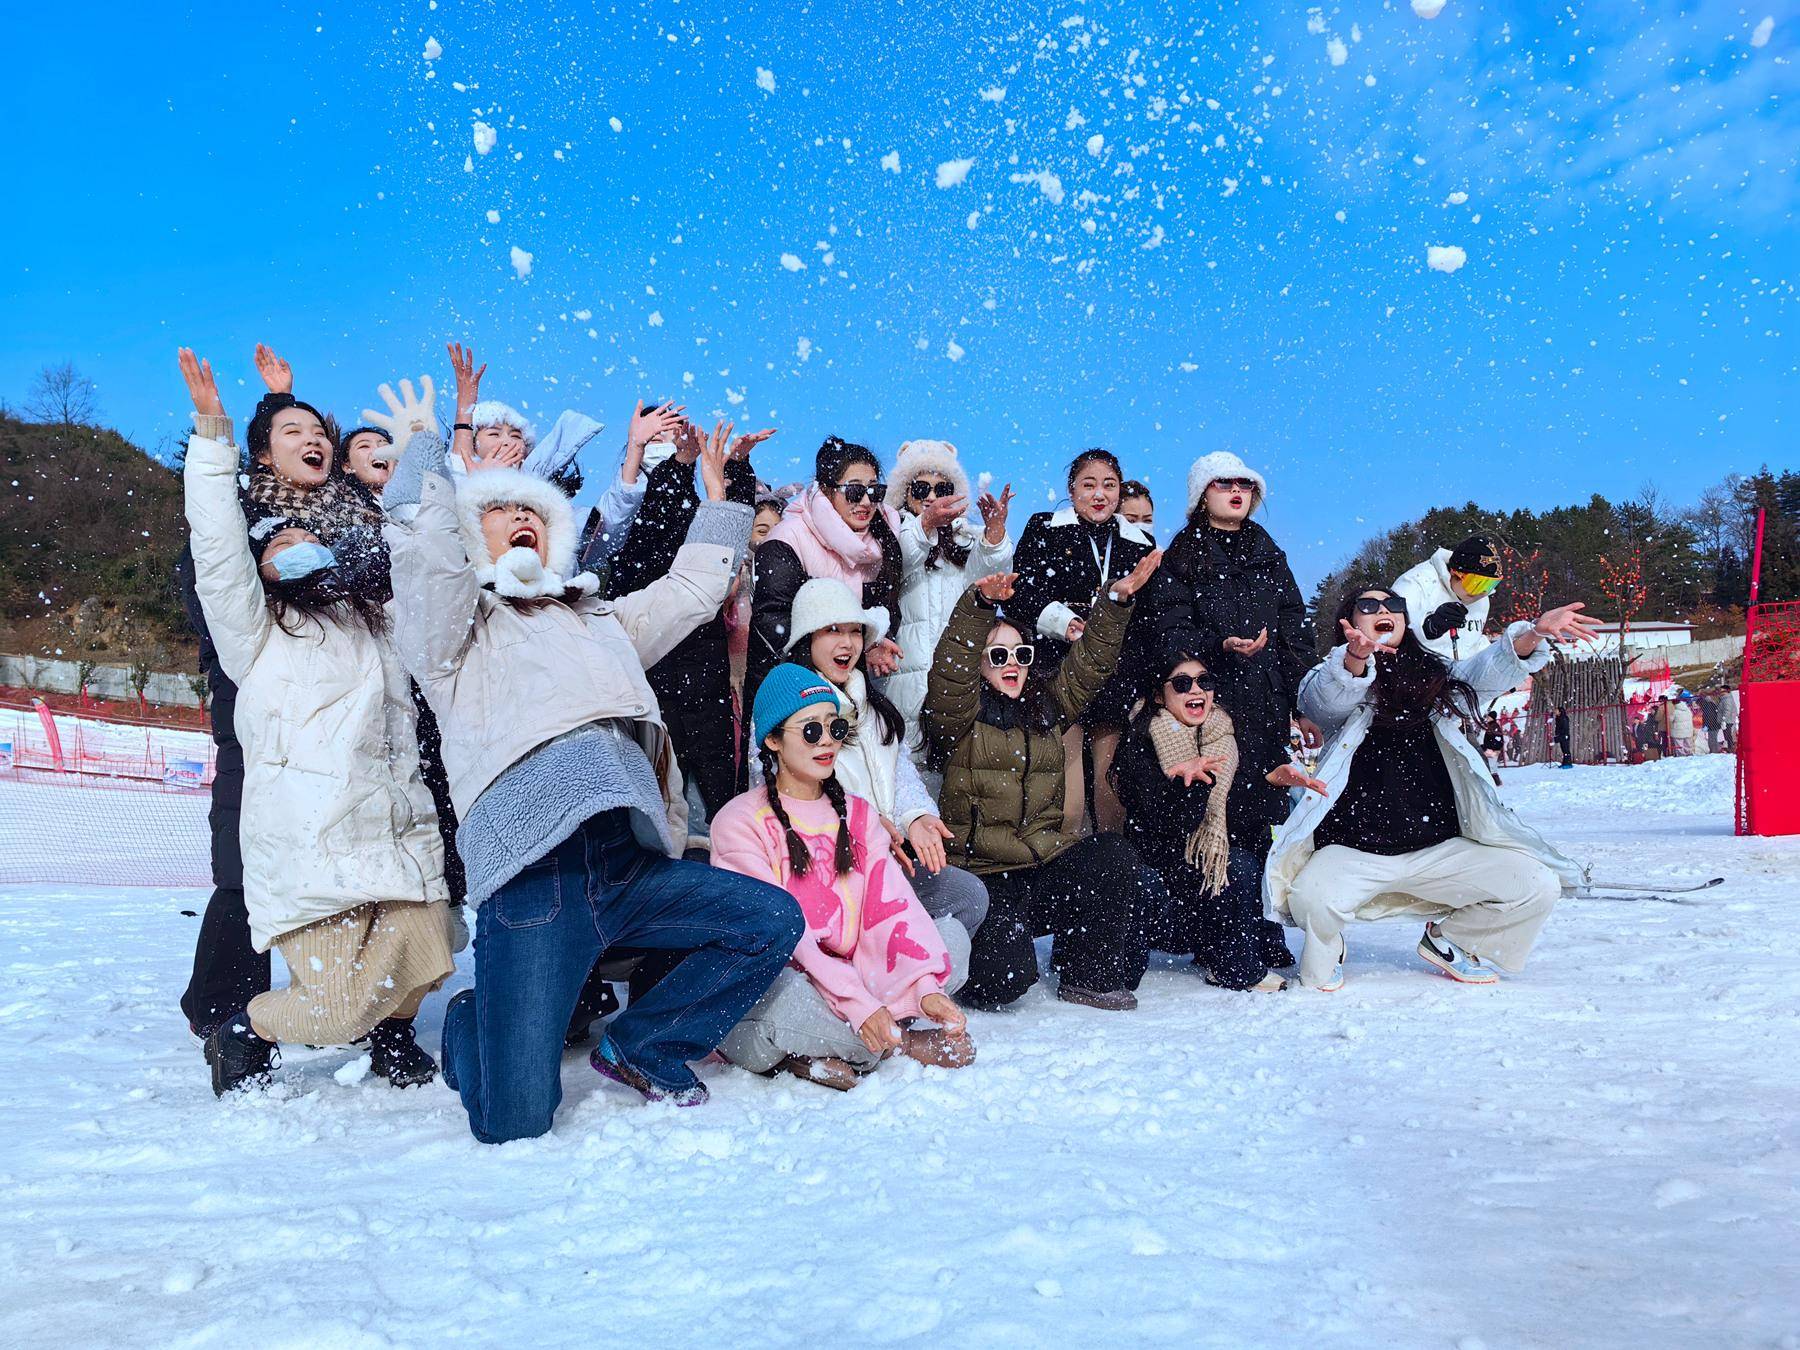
(1445, 617)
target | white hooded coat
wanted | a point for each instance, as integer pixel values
(1427, 586)
(335, 814)
(927, 595)
(1341, 705)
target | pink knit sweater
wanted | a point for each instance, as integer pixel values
(869, 942)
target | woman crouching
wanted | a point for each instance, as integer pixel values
(1175, 775)
(1409, 822)
(343, 867)
(872, 960)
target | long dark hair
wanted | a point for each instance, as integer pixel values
(799, 855)
(1037, 705)
(947, 548)
(1414, 681)
(836, 455)
(320, 598)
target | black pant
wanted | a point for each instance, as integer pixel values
(1226, 932)
(696, 708)
(1567, 758)
(228, 971)
(1096, 901)
(437, 783)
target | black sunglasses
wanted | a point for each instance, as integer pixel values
(999, 656)
(1368, 604)
(855, 492)
(921, 489)
(1185, 684)
(814, 732)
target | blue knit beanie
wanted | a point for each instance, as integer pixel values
(784, 691)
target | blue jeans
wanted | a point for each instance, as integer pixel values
(537, 937)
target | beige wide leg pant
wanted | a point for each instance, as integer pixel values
(1492, 902)
(793, 1018)
(355, 969)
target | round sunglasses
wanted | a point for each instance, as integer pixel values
(855, 492)
(921, 489)
(1000, 655)
(814, 732)
(1186, 684)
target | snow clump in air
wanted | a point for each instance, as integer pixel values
(1444, 258)
(952, 171)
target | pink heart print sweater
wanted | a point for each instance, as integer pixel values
(869, 942)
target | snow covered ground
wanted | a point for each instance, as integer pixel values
(1602, 1151)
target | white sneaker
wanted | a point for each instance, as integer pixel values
(1335, 981)
(1453, 960)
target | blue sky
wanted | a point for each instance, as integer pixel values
(1184, 227)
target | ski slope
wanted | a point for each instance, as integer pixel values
(1601, 1152)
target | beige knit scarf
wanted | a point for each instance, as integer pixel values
(1209, 847)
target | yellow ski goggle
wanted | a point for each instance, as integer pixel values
(1474, 584)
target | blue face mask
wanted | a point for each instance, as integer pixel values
(302, 560)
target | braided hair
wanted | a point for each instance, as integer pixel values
(799, 855)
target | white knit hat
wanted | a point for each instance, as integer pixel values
(1222, 464)
(824, 601)
(927, 456)
(491, 412)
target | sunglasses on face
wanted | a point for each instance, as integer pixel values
(813, 732)
(1185, 684)
(999, 656)
(1235, 484)
(1369, 604)
(855, 492)
(1476, 585)
(921, 489)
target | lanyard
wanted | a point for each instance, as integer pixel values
(1106, 566)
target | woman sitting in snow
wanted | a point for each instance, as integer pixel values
(940, 557)
(871, 961)
(1175, 773)
(995, 724)
(572, 818)
(343, 867)
(832, 634)
(1409, 822)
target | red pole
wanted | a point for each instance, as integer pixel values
(1756, 558)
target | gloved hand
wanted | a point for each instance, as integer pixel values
(1445, 617)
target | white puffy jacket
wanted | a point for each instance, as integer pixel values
(335, 814)
(1339, 703)
(1427, 586)
(926, 598)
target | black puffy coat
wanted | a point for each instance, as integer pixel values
(1056, 562)
(1215, 584)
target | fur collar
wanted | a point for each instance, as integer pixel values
(1129, 531)
(518, 573)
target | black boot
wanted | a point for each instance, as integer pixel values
(397, 1056)
(238, 1056)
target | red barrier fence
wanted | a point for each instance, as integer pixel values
(1768, 790)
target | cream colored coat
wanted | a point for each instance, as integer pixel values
(504, 676)
(335, 814)
(1338, 703)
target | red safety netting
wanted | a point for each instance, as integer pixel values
(1768, 794)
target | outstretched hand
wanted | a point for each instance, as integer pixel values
(408, 414)
(468, 378)
(712, 461)
(744, 444)
(656, 425)
(1293, 776)
(1566, 623)
(202, 388)
(1244, 646)
(1199, 769)
(276, 373)
(941, 511)
(993, 513)
(1361, 645)
(883, 658)
(1134, 580)
(997, 587)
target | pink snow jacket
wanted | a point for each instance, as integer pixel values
(869, 942)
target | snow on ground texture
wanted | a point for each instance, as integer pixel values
(1599, 1152)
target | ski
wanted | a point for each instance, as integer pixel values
(1642, 890)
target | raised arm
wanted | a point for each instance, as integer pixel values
(1092, 661)
(1033, 607)
(953, 688)
(225, 576)
(435, 590)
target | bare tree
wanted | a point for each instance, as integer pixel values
(62, 395)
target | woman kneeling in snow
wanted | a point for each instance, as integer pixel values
(871, 959)
(343, 867)
(559, 763)
(1410, 822)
